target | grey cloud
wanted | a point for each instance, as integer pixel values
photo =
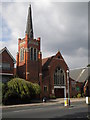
(76, 27)
(61, 26)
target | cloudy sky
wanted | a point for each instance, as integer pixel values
(62, 26)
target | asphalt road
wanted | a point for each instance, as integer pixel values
(76, 110)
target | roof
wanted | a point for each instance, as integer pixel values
(46, 62)
(80, 74)
(6, 74)
(5, 48)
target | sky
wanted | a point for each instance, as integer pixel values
(62, 26)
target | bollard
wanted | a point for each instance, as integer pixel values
(68, 101)
(65, 102)
(87, 100)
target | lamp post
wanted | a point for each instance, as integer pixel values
(68, 88)
(49, 79)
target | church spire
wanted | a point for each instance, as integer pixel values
(29, 26)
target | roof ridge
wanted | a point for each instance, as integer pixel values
(79, 68)
(2, 49)
(81, 73)
(46, 58)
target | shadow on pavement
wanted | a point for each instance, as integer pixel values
(76, 116)
(81, 116)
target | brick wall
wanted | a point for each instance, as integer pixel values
(48, 73)
(28, 69)
(7, 59)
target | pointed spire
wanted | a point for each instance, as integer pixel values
(29, 27)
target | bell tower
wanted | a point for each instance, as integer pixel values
(29, 56)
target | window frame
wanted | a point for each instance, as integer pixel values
(45, 89)
(59, 78)
(35, 54)
(31, 53)
(4, 66)
(21, 54)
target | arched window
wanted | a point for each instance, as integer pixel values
(35, 54)
(59, 77)
(21, 54)
(31, 54)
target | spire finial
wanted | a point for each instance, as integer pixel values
(30, 5)
(29, 27)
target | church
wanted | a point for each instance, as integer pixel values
(50, 73)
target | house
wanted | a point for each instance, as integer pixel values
(79, 80)
(7, 62)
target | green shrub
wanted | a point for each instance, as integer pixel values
(11, 97)
(79, 95)
(19, 91)
(74, 97)
(53, 97)
(36, 89)
(83, 95)
(4, 90)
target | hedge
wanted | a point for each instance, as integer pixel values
(18, 91)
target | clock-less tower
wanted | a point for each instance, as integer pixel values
(29, 56)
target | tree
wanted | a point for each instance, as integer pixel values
(18, 91)
(88, 65)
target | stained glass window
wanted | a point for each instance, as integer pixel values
(59, 77)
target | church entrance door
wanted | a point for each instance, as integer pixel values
(59, 92)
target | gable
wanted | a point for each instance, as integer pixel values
(6, 54)
(58, 55)
(46, 61)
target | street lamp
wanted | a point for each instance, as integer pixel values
(68, 88)
(49, 78)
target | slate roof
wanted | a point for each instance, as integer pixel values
(80, 74)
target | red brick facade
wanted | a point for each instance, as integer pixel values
(27, 68)
(40, 71)
(6, 65)
(48, 69)
(76, 88)
(33, 68)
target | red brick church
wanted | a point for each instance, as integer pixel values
(50, 73)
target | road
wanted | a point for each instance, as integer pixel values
(76, 110)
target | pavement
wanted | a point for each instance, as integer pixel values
(49, 102)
